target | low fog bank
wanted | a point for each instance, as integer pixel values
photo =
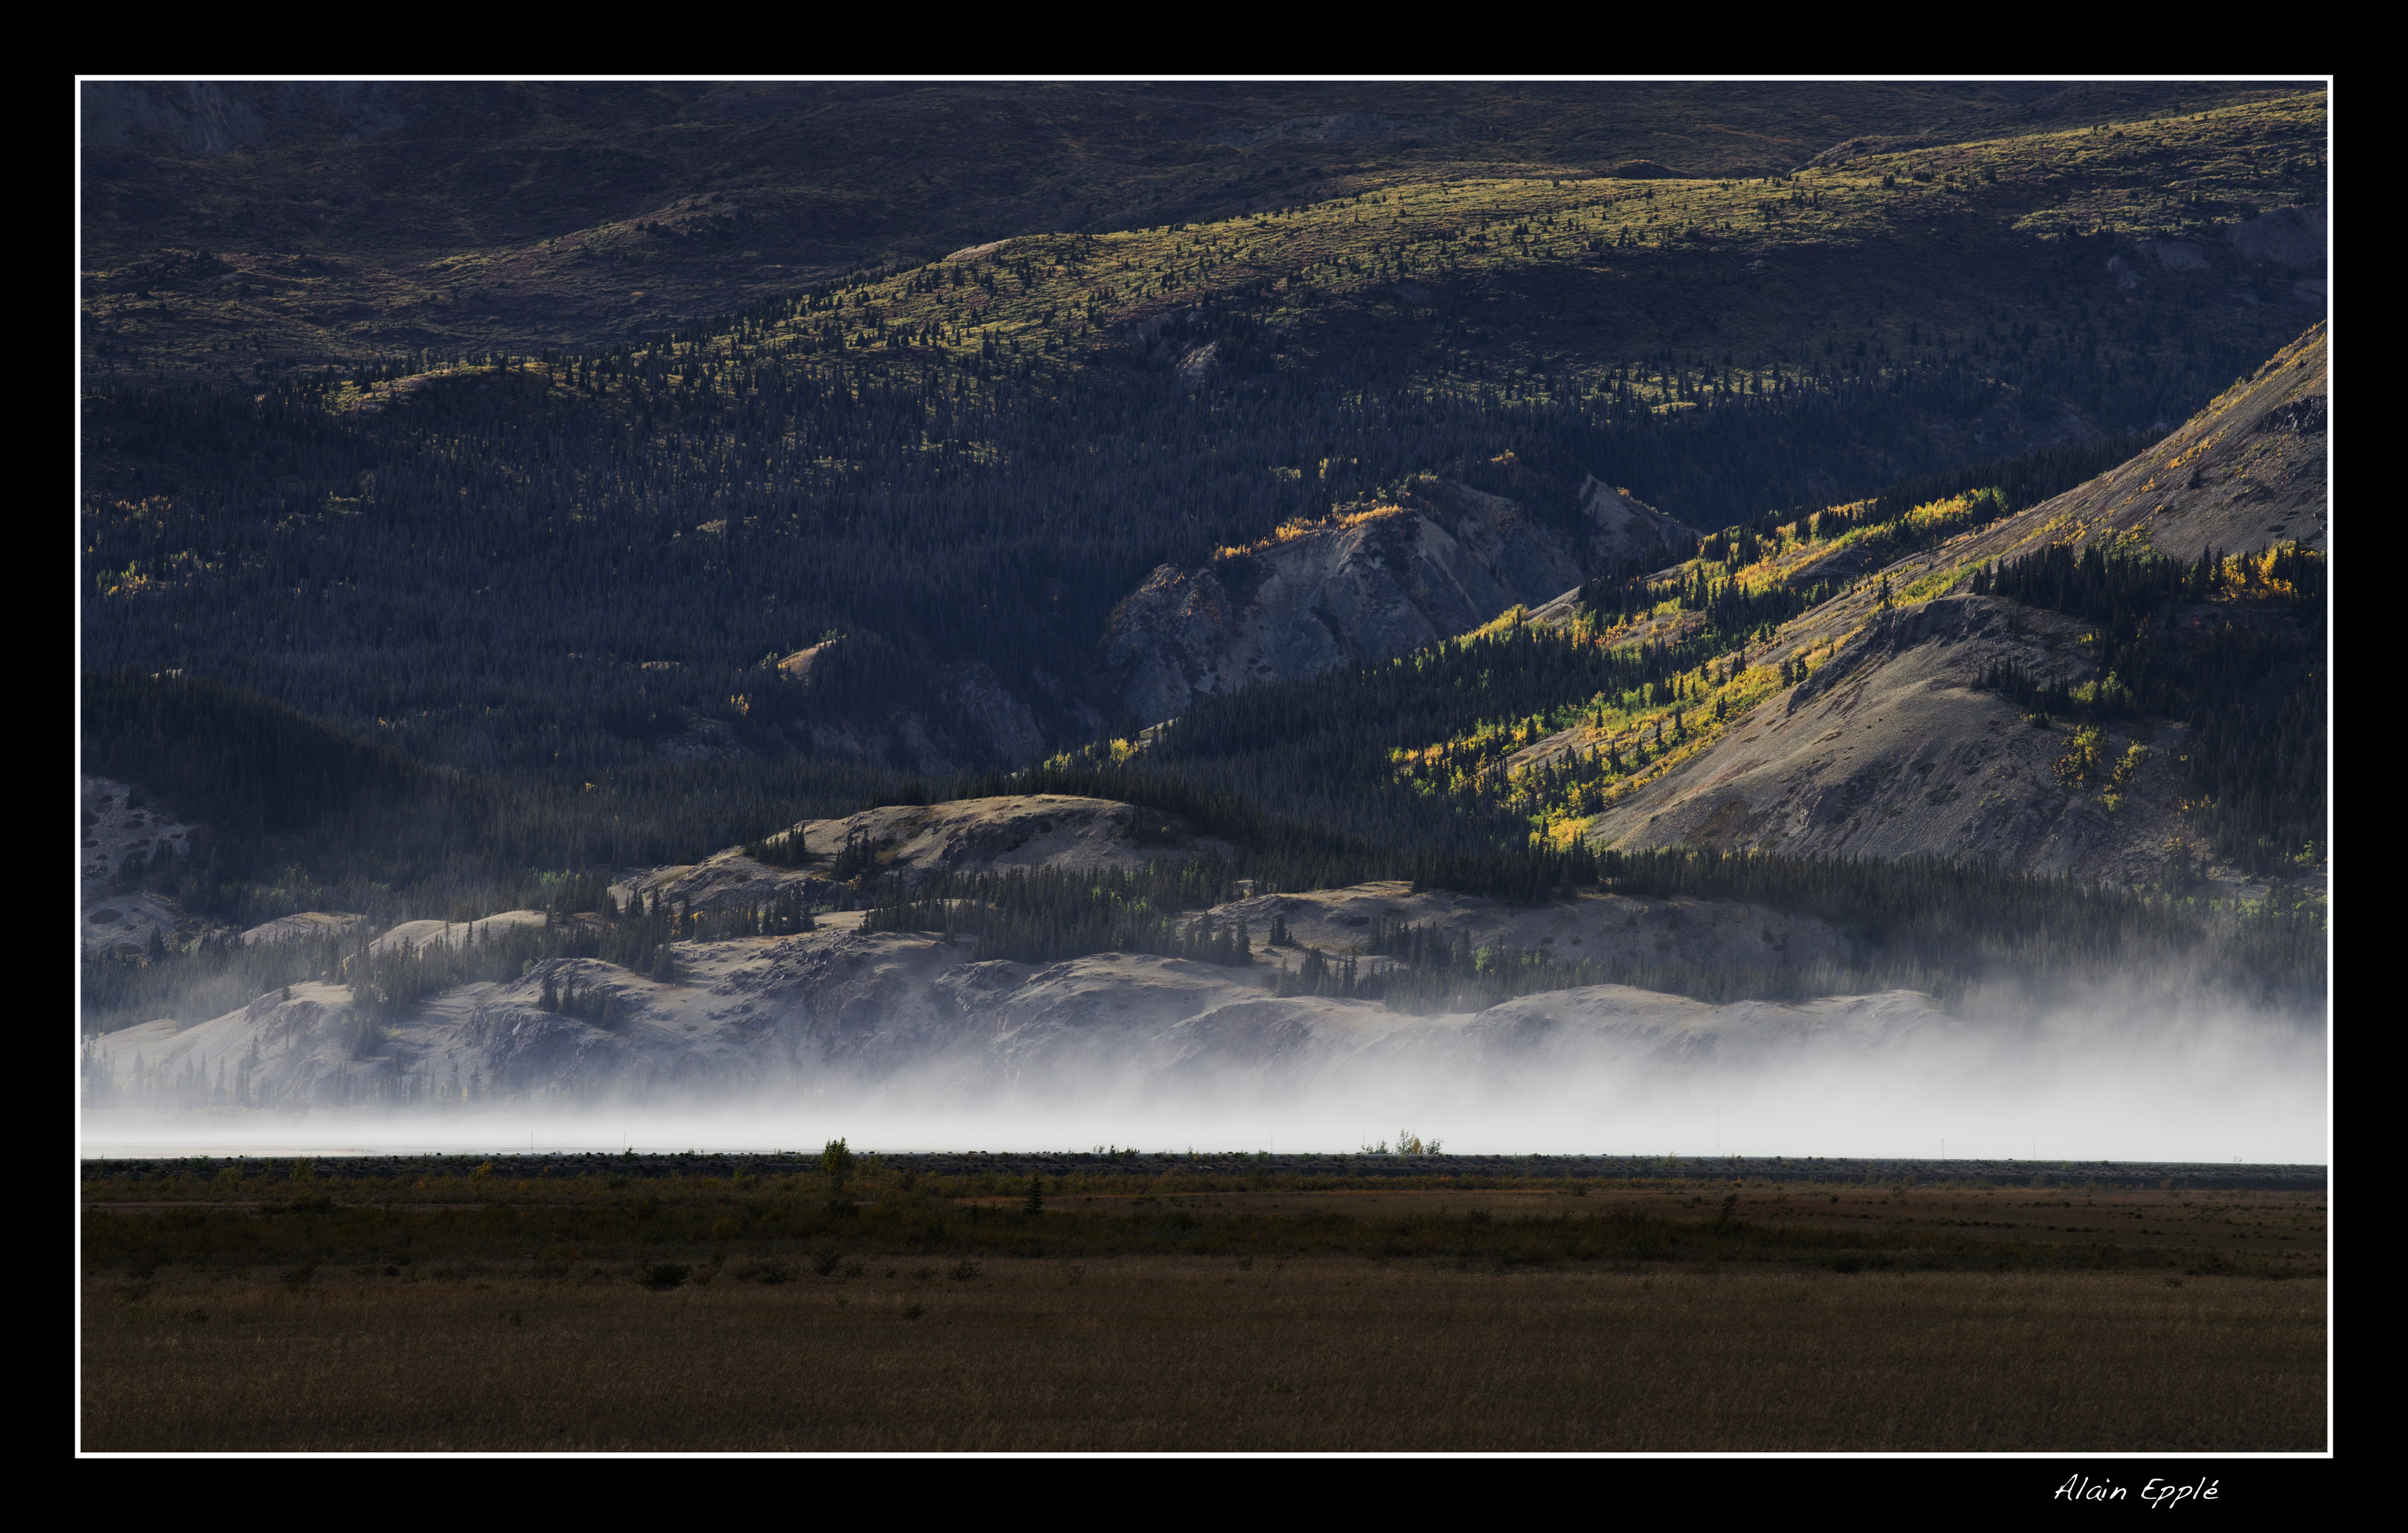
(1604, 1070)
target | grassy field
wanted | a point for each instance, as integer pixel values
(1187, 1308)
(1191, 1352)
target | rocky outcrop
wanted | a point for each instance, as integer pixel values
(1891, 750)
(975, 722)
(1004, 723)
(1619, 527)
(914, 841)
(2283, 237)
(834, 1009)
(422, 934)
(122, 832)
(1441, 561)
(304, 927)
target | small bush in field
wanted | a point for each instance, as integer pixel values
(771, 1273)
(664, 1275)
(824, 1262)
(299, 1278)
(962, 1270)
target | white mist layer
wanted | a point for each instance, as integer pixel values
(2094, 1085)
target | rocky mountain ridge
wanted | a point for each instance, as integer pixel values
(1441, 560)
(836, 1006)
(912, 843)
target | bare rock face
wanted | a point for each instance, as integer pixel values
(119, 828)
(2286, 237)
(725, 880)
(308, 1046)
(1027, 831)
(422, 934)
(777, 1019)
(1360, 586)
(131, 920)
(302, 927)
(1620, 527)
(798, 665)
(1008, 726)
(1890, 751)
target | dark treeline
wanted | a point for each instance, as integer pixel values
(208, 978)
(1318, 748)
(294, 813)
(573, 565)
(2026, 478)
(2247, 675)
(1996, 489)
(2122, 590)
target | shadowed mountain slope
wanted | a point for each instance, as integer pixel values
(301, 221)
(590, 561)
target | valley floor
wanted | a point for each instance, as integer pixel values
(1191, 1352)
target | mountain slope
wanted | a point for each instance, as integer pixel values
(306, 223)
(912, 842)
(1439, 560)
(580, 563)
(2246, 473)
(1893, 751)
(1901, 742)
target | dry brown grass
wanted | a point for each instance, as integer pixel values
(1190, 1353)
(2277, 1225)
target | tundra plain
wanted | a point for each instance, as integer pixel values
(1160, 1303)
